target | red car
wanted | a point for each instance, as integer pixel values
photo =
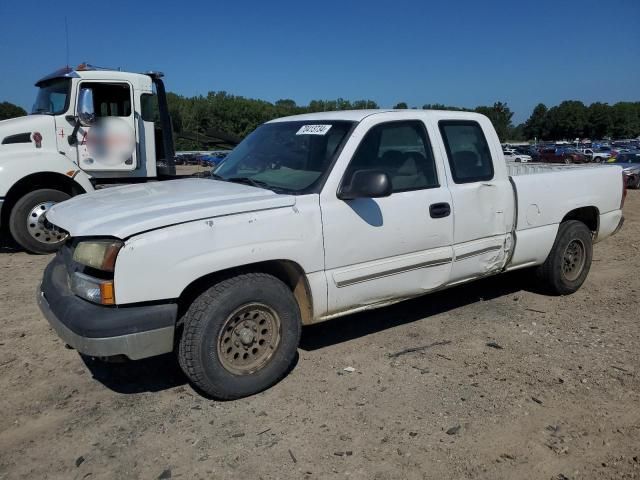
(560, 155)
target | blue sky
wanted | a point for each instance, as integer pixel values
(463, 52)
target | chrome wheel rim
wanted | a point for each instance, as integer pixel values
(249, 338)
(573, 260)
(40, 228)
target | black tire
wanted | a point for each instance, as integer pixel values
(53, 239)
(207, 326)
(597, 159)
(556, 273)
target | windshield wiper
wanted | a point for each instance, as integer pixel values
(253, 183)
(247, 181)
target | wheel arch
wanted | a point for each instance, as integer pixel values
(590, 216)
(36, 181)
(289, 272)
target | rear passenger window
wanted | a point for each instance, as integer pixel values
(401, 150)
(468, 151)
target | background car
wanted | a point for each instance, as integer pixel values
(630, 163)
(530, 150)
(512, 155)
(562, 155)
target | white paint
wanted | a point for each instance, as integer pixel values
(109, 212)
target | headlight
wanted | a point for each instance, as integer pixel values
(99, 254)
(93, 289)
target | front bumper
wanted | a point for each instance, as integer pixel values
(136, 332)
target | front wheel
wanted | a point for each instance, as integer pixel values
(28, 224)
(567, 266)
(240, 336)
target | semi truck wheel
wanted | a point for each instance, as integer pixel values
(28, 225)
(567, 266)
(240, 336)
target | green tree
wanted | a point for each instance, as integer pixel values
(401, 105)
(500, 116)
(625, 120)
(9, 110)
(598, 120)
(364, 104)
(441, 106)
(536, 125)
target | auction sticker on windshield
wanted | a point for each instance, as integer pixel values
(313, 130)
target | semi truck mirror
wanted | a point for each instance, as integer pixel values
(86, 114)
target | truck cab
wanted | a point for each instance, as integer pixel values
(53, 153)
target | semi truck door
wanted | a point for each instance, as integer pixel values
(111, 100)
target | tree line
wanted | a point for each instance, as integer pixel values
(573, 119)
(9, 110)
(238, 116)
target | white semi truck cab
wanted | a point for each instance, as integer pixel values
(46, 157)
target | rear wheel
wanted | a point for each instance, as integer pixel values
(29, 226)
(240, 336)
(597, 159)
(567, 266)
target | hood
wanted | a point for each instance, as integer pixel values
(13, 130)
(124, 211)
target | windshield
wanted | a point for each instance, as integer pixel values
(53, 96)
(285, 156)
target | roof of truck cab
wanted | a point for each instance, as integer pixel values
(359, 115)
(94, 74)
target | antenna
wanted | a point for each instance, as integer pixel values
(66, 34)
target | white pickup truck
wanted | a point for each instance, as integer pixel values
(596, 156)
(313, 217)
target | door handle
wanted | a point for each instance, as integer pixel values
(439, 210)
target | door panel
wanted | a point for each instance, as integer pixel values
(112, 100)
(384, 249)
(378, 249)
(482, 201)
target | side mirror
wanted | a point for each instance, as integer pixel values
(86, 115)
(366, 184)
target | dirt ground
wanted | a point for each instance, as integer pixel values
(555, 397)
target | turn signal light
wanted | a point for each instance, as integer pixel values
(106, 293)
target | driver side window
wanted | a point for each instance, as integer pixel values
(401, 150)
(110, 99)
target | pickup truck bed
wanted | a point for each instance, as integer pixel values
(542, 203)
